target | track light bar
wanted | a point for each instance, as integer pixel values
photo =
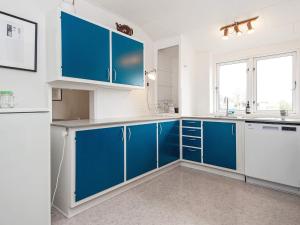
(236, 27)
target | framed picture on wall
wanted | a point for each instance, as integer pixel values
(18, 43)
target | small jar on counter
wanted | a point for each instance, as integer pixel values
(7, 99)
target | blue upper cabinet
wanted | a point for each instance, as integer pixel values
(169, 146)
(85, 49)
(141, 156)
(99, 160)
(127, 61)
(219, 146)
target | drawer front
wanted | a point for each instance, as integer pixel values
(191, 141)
(192, 154)
(191, 132)
(191, 123)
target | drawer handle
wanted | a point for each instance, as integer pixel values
(192, 130)
(190, 122)
(192, 139)
(191, 150)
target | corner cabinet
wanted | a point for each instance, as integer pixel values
(219, 145)
(168, 142)
(83, 52)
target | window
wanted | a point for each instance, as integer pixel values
(232, 84)
(274, 82)
(268, 87)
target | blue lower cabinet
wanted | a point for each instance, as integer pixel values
(191, 141)
(219, 146)
(192, 154)
(191, 132)
(191, 123)
(141, 153)
(169, 147)
(99, 160)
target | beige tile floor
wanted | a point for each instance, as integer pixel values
(188, 197)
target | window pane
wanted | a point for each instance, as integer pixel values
(233, 84)
(274, 83)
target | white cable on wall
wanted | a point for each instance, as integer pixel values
(65, 134)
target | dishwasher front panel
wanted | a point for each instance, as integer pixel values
(272, 153)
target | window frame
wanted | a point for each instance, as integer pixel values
(251, 92)
(294, 81)
(217, 83)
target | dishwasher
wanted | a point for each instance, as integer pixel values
(272, 152)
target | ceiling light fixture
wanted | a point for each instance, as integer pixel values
(236, 27)
(250, 27)
(225, 36)
(237, 30)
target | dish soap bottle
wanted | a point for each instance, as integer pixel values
(248, 110)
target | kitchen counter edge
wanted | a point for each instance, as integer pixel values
(107, 122)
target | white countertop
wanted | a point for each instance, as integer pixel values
(112, 121)
(23, 110)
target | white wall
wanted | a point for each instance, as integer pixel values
(201, 93)
(30, 88)
(195, 79)
(187, 57)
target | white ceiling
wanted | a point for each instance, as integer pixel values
(201, 19)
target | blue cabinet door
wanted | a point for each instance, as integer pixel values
(141, 153)
(127, 61)
(219, 144)
(168, 147)
(85, 49)
(99, 160)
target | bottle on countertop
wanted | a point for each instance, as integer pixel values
(248, 109)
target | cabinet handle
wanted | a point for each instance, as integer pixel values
(108, 74)
(191, 150)
(122, 134)
(232, 129)
(192, 139)
(160, 128)
(129, 134)
(115, 74)
(192, 130)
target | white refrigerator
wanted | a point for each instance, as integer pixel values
(25, 167)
